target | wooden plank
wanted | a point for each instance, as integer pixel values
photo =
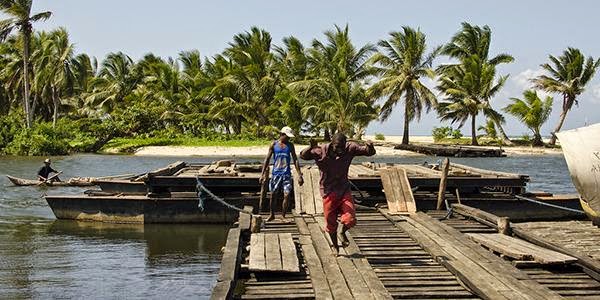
(335, 278)
(514, 279)
(354, 280)
(289, 257)
(272, 252)
(308, 202)
(230, 263)
(297, 193)
(539, 254)
(245, 220)
(409, 199)
(315, 268)
(390, 196)
(492, 242)
(231, 256)
(301, 225)
(257, 261)
(397, 187)
(318, 200)
(443, 181)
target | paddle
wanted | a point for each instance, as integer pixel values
(47, 181)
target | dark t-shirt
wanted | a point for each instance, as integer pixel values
(45, 171)
(334, 171)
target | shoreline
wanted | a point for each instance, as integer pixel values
(261, 151)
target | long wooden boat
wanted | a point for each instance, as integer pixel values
(77, 181)
(168, 195)
(581, 148)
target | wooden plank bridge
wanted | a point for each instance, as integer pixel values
(396, 252)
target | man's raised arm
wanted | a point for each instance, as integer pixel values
(307, 153)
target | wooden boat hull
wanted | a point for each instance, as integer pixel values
(142, 209)
(28, 182)
(581, 149)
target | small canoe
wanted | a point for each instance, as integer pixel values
(77, 181)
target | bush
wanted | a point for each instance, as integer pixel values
(10, 126)
(379, 137)
(440, 133)
(456, 134)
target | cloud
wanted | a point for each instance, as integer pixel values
(523, 81)
(595, 94)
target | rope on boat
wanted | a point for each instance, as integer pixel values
(202, 192)
(549, 204)
(362, 197)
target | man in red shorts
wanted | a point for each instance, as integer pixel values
(334, 160)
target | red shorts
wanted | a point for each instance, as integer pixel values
(334, 207)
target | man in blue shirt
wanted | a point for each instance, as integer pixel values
(283, 152)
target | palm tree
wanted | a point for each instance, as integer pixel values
(467, 88)
(54, 65)
(401, 65)
(532, 111)
(475, 40)
(117, 78)
(291, 65)
(335, 85)
(21, 19)
(489, 129)
(568, 75)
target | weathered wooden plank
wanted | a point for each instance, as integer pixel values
(318, 201)
(539, 254)
(397, 186)
(297, 193)
(388, 189)
(230, 263)
(272, 252)
(289, 257)
(354, 280)
(335, 278)
(245, 220)
(409, 199)
(315, 268)
(443, 181)
(492, 242)
(511, 277)
(308, 201)
(257, 261)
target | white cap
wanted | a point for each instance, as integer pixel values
(287, 131)
(47, 160)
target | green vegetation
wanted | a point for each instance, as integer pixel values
(470, 84)
(401, 64)
(54, 100)
(379, 137)
(532, 111)
(569, 73)
(128, 145)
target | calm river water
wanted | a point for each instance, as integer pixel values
(41, 257)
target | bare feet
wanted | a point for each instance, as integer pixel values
(344, 239)
(335, 251)
(271, 218)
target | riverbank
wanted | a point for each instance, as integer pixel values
(385, 148)
(241, 151)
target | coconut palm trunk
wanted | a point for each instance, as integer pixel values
(406, 124)
(561, 120)
(26, 30)
(473, 131)
(55, 102)
(502, 134)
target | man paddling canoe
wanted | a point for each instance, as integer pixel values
(334, 160)
(46, 170)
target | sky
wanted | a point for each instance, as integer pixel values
(528, 30)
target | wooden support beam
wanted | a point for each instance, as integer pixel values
(443, 181)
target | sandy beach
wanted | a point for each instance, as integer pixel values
(258, 151)
(253, 151)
